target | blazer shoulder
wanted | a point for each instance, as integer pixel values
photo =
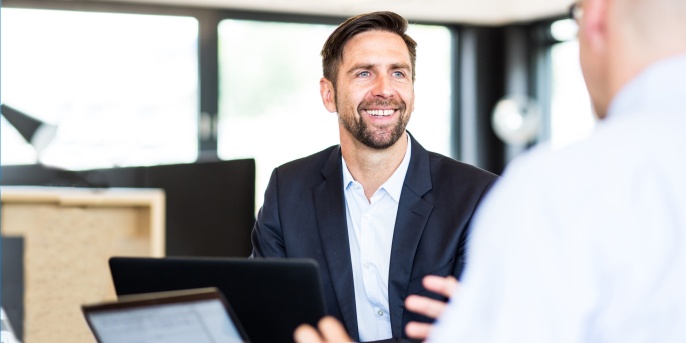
(446, 166)
(308, 165)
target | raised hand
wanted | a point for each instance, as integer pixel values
(431, 308)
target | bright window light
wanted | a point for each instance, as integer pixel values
(564, 30)
(122, 88)
(572, 118)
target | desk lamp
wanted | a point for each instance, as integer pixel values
(34, 131)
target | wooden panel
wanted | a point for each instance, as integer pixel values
(69, 235)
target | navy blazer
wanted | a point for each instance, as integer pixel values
(304, 216)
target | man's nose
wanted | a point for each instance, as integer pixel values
(382, 87)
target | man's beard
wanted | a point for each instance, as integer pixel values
(356, 125)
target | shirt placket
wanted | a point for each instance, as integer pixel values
(369, 253)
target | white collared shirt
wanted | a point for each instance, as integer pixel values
(587, 243)
(370, 232)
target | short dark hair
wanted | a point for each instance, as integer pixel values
(332, 52)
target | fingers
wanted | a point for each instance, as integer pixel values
(306, 334)
(444, 286)
(417, 330)
(425, 306)
(431, 308)
(333, 331)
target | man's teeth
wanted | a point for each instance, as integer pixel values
(380, 112)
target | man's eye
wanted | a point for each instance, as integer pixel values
(398, 74)
(364, 74)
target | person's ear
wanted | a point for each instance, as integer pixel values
(594, 23)
(328, 93)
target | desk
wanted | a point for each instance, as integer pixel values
(69, 235)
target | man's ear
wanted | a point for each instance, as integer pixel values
(594, 23)
(328, 94)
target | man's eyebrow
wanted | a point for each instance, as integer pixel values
(360, 66)
(400, 66)
(371, 66)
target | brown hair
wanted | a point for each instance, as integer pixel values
(332, 52)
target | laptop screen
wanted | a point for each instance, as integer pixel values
(278, 294)
(169, 317)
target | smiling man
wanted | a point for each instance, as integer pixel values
(377, 212)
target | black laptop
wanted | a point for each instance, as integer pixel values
(270, 297)
(194, 315)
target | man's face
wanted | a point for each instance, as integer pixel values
(374, 94)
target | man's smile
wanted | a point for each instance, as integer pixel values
(380, 113)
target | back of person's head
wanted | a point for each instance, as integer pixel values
(654, 28)
(332, 52)
(618, 39)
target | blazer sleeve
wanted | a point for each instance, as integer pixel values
(267, 235)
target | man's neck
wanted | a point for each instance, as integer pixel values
(372, 167)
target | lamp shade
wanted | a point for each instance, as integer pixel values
(34, 131)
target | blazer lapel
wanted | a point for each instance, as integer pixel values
(413, 214)
(329, 203)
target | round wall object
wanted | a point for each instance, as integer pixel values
(516, 119)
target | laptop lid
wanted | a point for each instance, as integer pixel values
(270, 297)
(196, 315)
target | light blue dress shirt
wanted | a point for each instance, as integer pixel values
(370, 233)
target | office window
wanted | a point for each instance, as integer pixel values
(270, 108)
(431, 120)
(122, 88)
(572, 118)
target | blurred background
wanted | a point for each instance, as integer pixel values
(135, 83)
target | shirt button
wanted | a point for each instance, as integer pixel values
(379, 312)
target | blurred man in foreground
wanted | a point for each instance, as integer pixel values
(586, 244)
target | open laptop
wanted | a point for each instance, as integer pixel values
(196, 315)
(270, 297)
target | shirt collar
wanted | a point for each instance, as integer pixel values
(394, 185)
(657, 87)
